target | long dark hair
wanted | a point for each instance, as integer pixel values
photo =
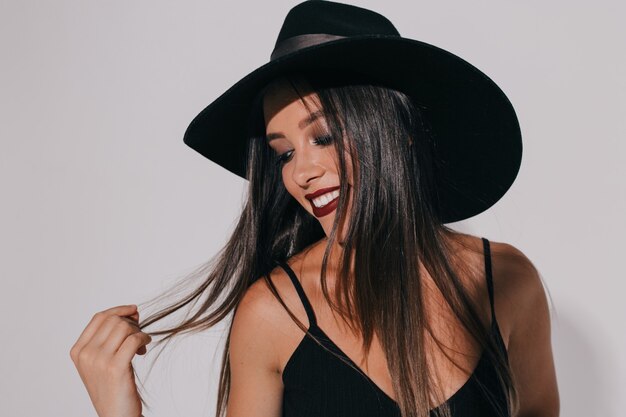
(394, 224)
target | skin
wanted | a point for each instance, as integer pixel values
(103, 354)
(264, 336)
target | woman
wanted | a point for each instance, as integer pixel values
(350, 295)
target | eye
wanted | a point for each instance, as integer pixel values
(284, 157)
(323, 140)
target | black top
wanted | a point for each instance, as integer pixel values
(316, 383)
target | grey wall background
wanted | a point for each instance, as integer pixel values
(103, 204)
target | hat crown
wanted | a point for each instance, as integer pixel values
(328, 17)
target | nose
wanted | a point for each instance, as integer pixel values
(306, 168)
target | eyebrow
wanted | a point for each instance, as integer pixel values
(303, 123)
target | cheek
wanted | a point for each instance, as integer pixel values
(288, 182)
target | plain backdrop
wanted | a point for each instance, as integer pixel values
(103, 204)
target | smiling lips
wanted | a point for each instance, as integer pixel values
(323, 201)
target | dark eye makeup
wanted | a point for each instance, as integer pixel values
(286, 156)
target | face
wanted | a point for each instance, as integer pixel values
(305, 152)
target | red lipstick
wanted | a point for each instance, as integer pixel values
(328, 208)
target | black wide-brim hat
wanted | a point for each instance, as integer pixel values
(476, 132)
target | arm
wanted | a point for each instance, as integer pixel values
(530, 349)
(256, 386)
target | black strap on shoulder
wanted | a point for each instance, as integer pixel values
(305, 301)
(488, 273)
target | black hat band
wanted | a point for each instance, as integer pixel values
(295, 43)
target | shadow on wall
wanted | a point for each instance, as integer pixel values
(585, 388)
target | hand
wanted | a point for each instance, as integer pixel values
(102, 355)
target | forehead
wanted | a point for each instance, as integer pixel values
(281, 101)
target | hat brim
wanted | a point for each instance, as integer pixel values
(476, 131)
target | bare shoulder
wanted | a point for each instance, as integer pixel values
(255, 350)
(261, 313)
(517, 283)
(522, 297)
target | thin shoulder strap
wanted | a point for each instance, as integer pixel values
(305, 301)
(487, 252)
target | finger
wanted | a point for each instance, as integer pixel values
(134, 317)
(112, 333)
(129, 320)
(130, 346)
(95, 322)
(117, 335)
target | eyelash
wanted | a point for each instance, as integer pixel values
(320, 140)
